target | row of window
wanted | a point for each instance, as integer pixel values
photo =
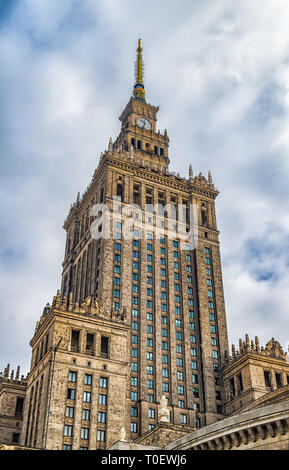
(84, 434)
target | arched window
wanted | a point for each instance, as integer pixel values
(139, 146)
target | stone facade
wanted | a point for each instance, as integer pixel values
(77, 386)
(12, 400)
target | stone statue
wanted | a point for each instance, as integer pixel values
(163, 411)
(122, 435)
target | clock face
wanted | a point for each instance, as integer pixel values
(144, 123)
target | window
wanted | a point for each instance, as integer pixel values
(218, 395)
(150, 356)
(165, 387)
(178, 311)
(211, 305)
(150, 342)
(75, 341)
(150, 384)
(133, 427)
(189, 269)
(117, 269)
(134, 396)
(135, 254)
(196, 392)
(135, 265)
(84, 434)
(164, 320)
(177, 287)
(191, 302)
(184, 419)
(207, 251)
(209, 271)
(134, 325)
(179, 362)
(149, 258)
(89, 343)
(134, 367)
(207, 261)
(176, 265)
(101, 417)
(150, 398)
(194, 365)
(134, 381)
(163, 307)
(163, 295)
(267, 378)
(240, 382)
(149, 292)
(149, 304)
(86, 415)
(210, 293)
(135, 276)
(152, 413)
(149, 280)
(178, 323)
(101, 436)
(134, 411)
(180, 375)
(215, 354)
(209, 282)
(195, 379)
(83, 448)
(164, 346)
(71, 394)
(103, 382)
(175, 244)
(72, 376)
(87, 397)
(192, 326)
(163, 272)
(135, 288)
(69, 413)
(214, 341)
(196, 407)
(163, 261)
(66, 447)
(19, 407)
(87, 379)
(212, 317)
(116, 293)
(193, 352)
(180, 390)
(165, 359)
(68, 430)
(162, 251)
(213, 329)
(150, 370)
(164, 332)
(177, 299)
(118, 246)
(165, 373)
(179, 349)
(134, 352)
(135, 300)
(149, 316)
(102, 399)
(116, 281)
(178, 335)
(278, 380)
(181, 404)
(134, 339)
(193, 339)
(175, 254)
(135, 313)
(191, 314)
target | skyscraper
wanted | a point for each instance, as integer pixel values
(172, 296)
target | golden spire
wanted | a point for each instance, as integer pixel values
(139, 91)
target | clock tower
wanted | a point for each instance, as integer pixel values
(138, 132)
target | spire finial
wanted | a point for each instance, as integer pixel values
(139, 91)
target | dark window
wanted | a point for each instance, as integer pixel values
(240, 382)
(19, 406)
(267, 378)
(119, 191)
(139, 146)
(132, 142)
(161, 151)
(278, 380)
(89, 343)
(232, 387)
(156, 150)
(219, 409)
(104, 346)
(75, 341)
(15, 438)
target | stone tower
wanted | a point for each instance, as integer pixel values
(172, 292)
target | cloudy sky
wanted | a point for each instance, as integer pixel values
(219, 70)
